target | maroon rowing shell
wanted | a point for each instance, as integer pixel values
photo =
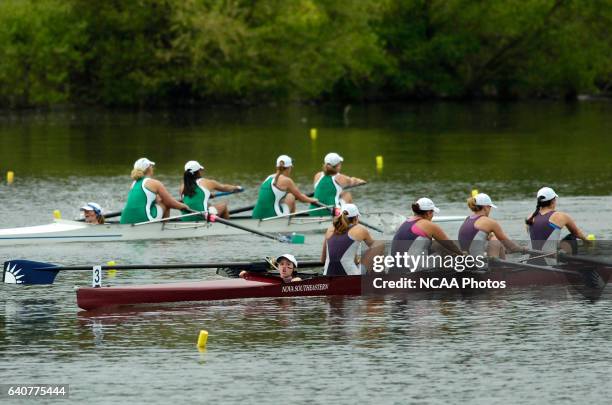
(91, 298)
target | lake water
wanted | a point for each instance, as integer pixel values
(509, 348)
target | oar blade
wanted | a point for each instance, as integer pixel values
(25, 272)
(292, 238)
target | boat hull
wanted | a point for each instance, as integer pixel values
(90, 298)
(62, 231)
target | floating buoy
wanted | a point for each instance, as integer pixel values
(591, 236)
(10, 177)
(313, 134)
(57, 214)
(379, 163)
(202, 339)
(111, 272)
(474, 192)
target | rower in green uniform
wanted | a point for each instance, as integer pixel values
(148, 199)
(196, 191)
(278, 192)
(330, 183)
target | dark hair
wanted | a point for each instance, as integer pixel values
(540, 204)
(417, 210)
(329, 170)
(190, 182)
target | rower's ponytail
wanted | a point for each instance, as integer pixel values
(189, 183)
(471, 202)
(137, 174)
(540, 204)
(341, 224)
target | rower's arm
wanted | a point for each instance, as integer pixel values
(168, 200)
(347, 181)
(442, 238)
(292, 188)
(215, 185)
(503, 238)
(573, 228)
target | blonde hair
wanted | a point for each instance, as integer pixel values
(137, 174)
(342, 223)
(471, 202)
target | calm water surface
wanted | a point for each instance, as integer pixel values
(509, 348)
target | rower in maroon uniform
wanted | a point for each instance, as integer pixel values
(416, 234)
(342, 244)
(545, 225)
(480, 233)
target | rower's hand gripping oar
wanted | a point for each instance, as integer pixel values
(285, 238)
(27, 272)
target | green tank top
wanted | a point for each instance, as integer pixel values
(269, 200)
(140, 205)
(197, 202)
(327, 191)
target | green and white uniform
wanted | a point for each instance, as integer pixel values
(197, 202)
(140, 205)
(327, 191)
(269, 201)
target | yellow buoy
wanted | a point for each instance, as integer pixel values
(591, 236)
(111, 272)
(474, 192)
(313, 134)
(10, 177)
(202, 339)
(57, 214)
(379, 162)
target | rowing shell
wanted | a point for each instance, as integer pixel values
(89, 298)
(62, 231)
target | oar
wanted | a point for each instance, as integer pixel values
(114, 214)
(250, 207)
(26, 272)
(332, 211)
(525, 266)
(224, 193)
(326, 207)
(291, 238)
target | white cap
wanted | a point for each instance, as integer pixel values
(546, 194)
(143, 164)
(333, 159)
(92, 206)
(289, 257)
(193, 166)
(351, 210)
(483, 200)
(425, 204)
(287, 162)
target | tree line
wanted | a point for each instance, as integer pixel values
(179, 52)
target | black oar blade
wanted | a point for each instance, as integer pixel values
(26, 272)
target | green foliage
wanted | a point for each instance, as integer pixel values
(139, 52)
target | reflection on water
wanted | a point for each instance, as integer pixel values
(502, 349)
